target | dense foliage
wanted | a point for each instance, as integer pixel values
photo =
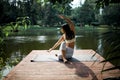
(84, 14)
(111, 15)
(103, 3)
(40, 12)
(61, 1)
(110, 49)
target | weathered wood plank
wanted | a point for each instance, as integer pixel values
(27, 70)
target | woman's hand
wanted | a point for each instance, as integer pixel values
(50, 50)
(61, 16)
(68, 21)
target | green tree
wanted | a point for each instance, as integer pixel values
(84, 14)
(111, 15)
(48, 11)
(8, 12)
(48, 15)
(62, 2)
(103, 3)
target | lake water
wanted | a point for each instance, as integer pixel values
(18, 46)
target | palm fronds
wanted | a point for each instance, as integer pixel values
(111, 59)
(111, 49)
(113, 68)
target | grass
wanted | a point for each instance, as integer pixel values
(39, 30)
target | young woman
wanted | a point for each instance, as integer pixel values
(67, 40)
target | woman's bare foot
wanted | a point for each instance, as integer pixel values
(65, 60)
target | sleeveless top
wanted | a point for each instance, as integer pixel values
(70, 41)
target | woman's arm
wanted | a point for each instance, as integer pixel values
(57, 43)
(68, 21)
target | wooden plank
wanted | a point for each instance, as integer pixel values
(27, 70)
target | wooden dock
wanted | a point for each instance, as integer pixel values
(56, 70)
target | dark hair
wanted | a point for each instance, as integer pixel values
(68, 32)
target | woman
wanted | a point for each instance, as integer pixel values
(67, 40)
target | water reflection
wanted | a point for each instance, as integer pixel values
(42, 39)
(100, 47)
(87, 41)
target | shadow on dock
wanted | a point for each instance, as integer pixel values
(81, 69)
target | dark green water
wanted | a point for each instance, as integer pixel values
(18, 46)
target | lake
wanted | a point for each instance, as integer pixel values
(18, 45)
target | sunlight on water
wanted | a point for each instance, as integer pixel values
(42, 39)
(24, 39)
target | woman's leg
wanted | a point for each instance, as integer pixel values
(63, 52)
(64, 55)
(69, 52)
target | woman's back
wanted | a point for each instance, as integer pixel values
(69, 43)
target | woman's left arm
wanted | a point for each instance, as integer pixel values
(57, 43)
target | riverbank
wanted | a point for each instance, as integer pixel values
(38, 30)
